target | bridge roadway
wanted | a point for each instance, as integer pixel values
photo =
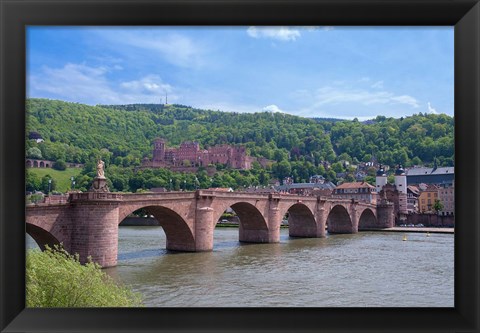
(87, 223)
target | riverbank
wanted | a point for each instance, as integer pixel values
(431, 230)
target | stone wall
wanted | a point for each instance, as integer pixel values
(431, 220)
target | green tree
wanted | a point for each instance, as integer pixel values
(437, 206)
(34, 152)
(60, 165)
(55, 278)
(48, 183)
(32, 182)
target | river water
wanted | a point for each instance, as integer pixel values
(368, 269)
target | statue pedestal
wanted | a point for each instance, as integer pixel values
(99, 185)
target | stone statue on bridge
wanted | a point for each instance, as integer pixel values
(100, 182)
(100, 169)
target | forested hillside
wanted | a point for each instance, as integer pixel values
(122, 135)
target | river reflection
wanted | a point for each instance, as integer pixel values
(368, 269)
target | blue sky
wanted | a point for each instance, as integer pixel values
(340, 72)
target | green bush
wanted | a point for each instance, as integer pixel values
(55, 278)
(60, 165)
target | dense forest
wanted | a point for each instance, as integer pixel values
(122, 136)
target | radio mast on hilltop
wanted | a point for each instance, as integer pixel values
(166, 98)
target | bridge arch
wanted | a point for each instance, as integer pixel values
(249, 215)
(253, 227)
(41, 236)
(367, 220)
(339, 221)
(179, 235)
(301, 221)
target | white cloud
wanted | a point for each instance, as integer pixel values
(405, 99)
(151, 84)
(90, 85)
(272, 108)
(337, 95)
(73, 82)
(377, 85)
(346, 102)
(430, 109)
(278, 33)
(174, 48)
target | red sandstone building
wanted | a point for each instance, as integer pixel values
(359, 191)
(189, 154)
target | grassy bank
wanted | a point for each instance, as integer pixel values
(61, 177)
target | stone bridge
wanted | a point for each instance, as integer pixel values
(87, 223)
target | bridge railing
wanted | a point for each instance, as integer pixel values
(160, 195)
(51, 200)
(108, 196)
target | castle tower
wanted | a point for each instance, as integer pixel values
(401, 187)
(158, 150)
(401, 180)
(381, 179)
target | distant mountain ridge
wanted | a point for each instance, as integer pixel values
(74, 131)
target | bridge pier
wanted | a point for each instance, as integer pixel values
(321, 219)
(95, 227)
(274, 221)
(95, 233)
(204, 226)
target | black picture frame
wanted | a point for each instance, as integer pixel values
(17, 14)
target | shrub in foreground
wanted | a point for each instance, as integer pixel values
(55, 278)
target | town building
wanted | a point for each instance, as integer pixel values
(433, 175)
(317, 186)
(446, 195)
(428, 195)
(412, 199)
(358, 191)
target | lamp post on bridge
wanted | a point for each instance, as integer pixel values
(49, 185)
(185, 186)
(170, 184)
(72, 184)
